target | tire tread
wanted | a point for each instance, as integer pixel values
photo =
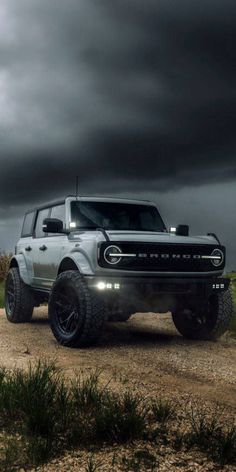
(24, 299)
(94, 314)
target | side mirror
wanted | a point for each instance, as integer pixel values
(52, 225)
(182, 230)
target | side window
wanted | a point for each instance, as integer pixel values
(59, 212)
(42, 214)
(28, 224)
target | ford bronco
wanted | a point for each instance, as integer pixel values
(97, 259)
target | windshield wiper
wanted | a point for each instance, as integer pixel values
(103, 231)
(94, 228)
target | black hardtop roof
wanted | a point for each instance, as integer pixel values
(62, 200)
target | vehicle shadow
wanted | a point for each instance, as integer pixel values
(117, 334)
(40, 320)
(131, 333)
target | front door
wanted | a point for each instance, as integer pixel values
(47, 251)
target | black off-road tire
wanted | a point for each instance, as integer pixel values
(19, 300)
(76, 313)
(208, 325)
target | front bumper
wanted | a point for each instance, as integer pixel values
(159, 285)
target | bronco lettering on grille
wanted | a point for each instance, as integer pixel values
(168, 256)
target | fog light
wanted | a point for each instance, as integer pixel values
(107, 286)
(101, 286)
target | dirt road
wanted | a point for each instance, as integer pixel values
(146, 353)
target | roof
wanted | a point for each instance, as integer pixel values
(102, 198)
(90, 198)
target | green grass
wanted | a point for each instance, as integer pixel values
(48, 416)
(1, 294)
(42, 415)
(163, 410)
(208, 435)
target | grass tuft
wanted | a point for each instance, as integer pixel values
(163, 410)
(120, 418)
(208, 435)
(92, 465)
(50, 415)
(42, 415)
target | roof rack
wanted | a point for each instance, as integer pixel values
(112, 197)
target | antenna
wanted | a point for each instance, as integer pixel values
(76, 187)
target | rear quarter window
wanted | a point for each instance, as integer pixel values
(27, 228)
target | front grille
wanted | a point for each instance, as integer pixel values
(161, 257)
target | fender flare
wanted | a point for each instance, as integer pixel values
(78, 259)
(19, 261)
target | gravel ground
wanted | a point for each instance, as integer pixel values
(145, 354)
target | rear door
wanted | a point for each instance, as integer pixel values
(25, 245)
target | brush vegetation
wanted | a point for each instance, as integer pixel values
(42, 415)
(4, 265)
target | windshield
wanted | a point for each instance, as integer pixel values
(115, 216)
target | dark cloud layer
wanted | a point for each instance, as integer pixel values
(117, 92)
(135, 97)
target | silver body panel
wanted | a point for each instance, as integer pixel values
(39, 268)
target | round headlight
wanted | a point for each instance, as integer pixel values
(218, 257)
(110, 254)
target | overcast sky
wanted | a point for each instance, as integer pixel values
(136, 97)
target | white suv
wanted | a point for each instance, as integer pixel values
(98, 259)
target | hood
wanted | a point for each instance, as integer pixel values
(152, 237)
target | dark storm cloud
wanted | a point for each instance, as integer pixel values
(120, 93)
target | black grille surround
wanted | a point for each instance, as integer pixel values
(164, 257)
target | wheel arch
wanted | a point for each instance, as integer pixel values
(75, 261)
(67, 264)
(13, 263)
(19, 261)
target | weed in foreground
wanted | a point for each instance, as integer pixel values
(225, 446)
(120, 418)
(163, 410)
(92, 465)
(208, 435)
(45, 415)
(31, 405)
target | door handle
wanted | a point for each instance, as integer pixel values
(28, 248)
(43, 248)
